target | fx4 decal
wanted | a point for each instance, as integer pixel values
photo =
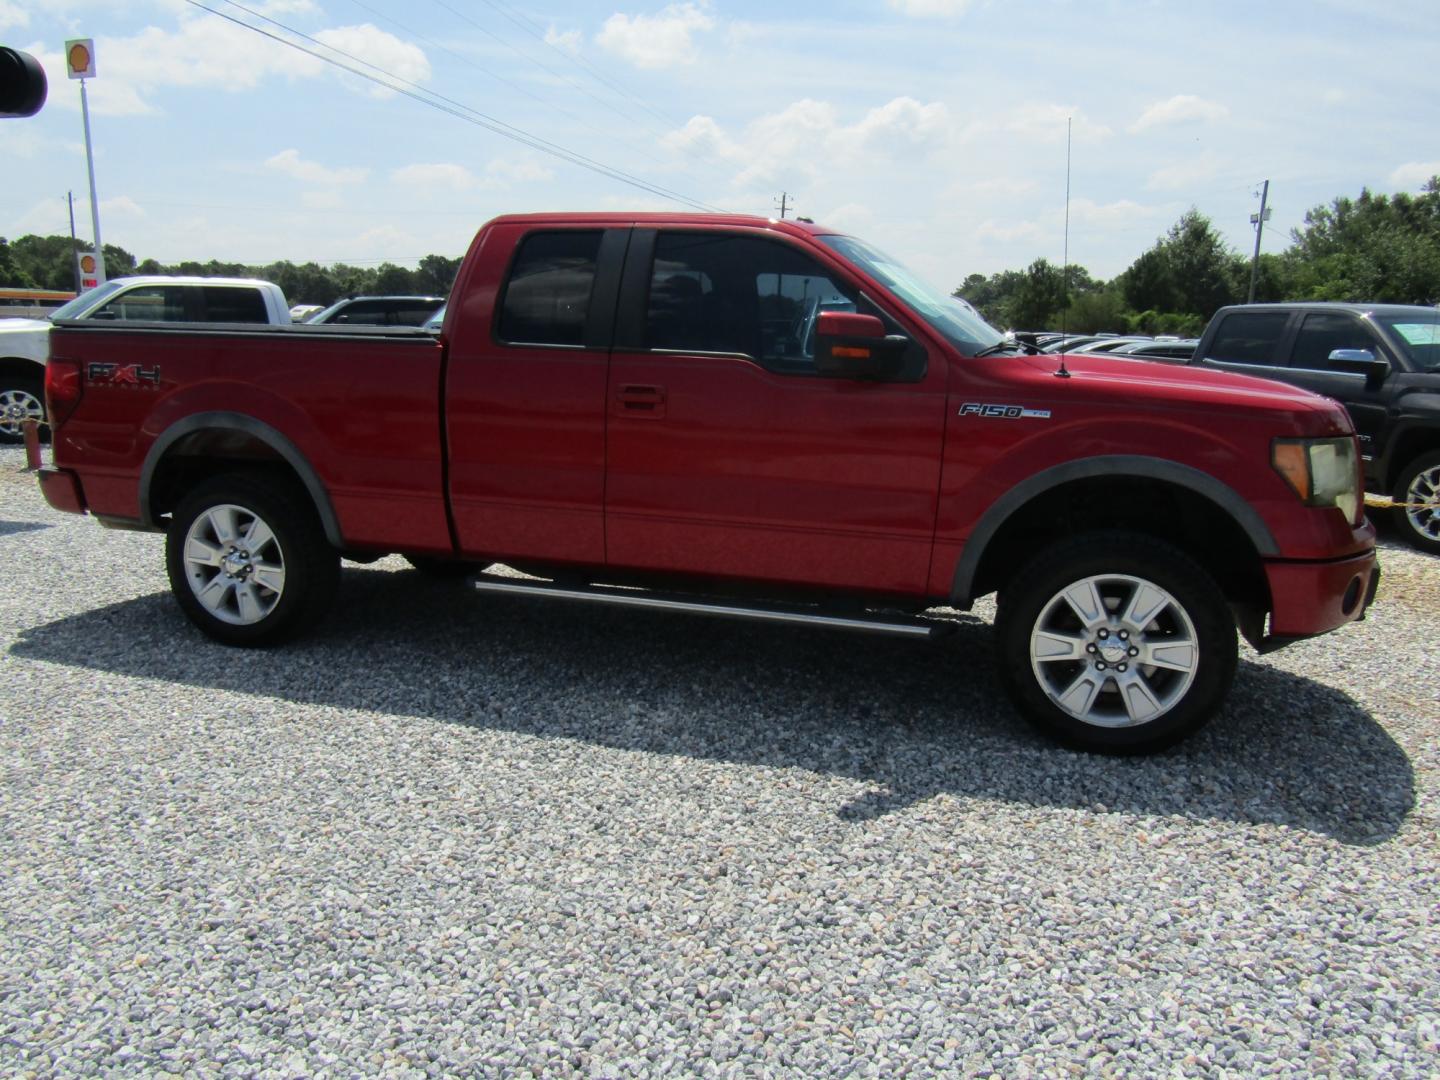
(1004, 412)
(126, 375)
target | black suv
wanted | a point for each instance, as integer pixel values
(1381, 361)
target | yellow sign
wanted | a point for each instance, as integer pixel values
(80, 58)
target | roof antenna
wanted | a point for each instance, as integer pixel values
(1060, 372)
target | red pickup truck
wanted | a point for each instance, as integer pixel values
(739, 416)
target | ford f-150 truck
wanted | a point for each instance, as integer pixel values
(25, 342)
(738, 416)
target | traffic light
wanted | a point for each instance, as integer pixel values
(22, 83)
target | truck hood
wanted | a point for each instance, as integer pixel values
(13, 326)
(1178, 383)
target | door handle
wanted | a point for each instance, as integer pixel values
(641, 402)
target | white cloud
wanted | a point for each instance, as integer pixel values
(1414, 174)
(656, 41)
(436, 175)
(12, 16)
(808, 136)
(931, 8)
(1119, 212)
(122, 206)
(293, 165)
(1185, 173)
(329, 199)
(1182, 108)
(569, 40)
(503, 171)
(210, 52)
(1045, 123)
(1010, 231)
(374, 46)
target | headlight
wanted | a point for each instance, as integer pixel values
(1323, 472)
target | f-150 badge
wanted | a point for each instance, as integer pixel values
(1003, 412)
(123, 374)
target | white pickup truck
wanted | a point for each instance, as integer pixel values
(25, 343)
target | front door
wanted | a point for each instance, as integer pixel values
(728, 456)
(1320, 334)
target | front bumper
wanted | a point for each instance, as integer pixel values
(1310, 598)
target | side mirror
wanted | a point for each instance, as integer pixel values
(22, 83)
(851, 346)
(1360, 362)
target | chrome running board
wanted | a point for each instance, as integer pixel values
(604, 594)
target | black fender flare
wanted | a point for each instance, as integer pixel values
(229, 421)
(1110, 466)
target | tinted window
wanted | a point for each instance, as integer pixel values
(1322, 334)
(716, 293)
(1249, 337)
(233, 303)
(146, 303)
(548, 295)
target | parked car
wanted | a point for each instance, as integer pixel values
(1108, 344)
(1382, 361)
(741, 417)
(305, 312)
(379, 311)
(1158, 349)
(25, 343)
(436, 321)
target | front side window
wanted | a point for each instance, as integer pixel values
(1419, 338)
(720, 293)
(1322, 333)
(547, 298)
(1249, 337)
(146, 303)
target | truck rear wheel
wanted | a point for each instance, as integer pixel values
(248, 560)
(1417, 493)
(22, 397)
(1116, 642)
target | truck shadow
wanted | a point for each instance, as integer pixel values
(912, 721)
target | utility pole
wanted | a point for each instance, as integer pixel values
(70, 198)
(1258, 220)
(783, 204)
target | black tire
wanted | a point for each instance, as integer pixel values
(443, 569)
(1417, 486)
(1076, 694)
(293, 540)
(22, 396)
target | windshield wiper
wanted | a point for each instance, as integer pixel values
(1003, 346)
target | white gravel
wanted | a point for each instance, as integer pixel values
(453, 835)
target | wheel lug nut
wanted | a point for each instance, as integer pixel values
(1090, 648)
(1104, 633)
(1134, 651)
(1099, 665)
(1124, 635)
(1124, 667)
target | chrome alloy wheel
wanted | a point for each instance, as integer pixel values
(234, 564)
(17, 406)
(1422, 503)
(1114, 650)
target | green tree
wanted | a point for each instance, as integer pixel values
(1190, 270)
(1039, 297)
(12, 275)
(435, 275)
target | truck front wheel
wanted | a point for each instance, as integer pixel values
(1417, 495)
(248, 560)
(1116, 642)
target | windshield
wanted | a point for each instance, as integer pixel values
(75, 309)
(1419, 337)
(951, 317)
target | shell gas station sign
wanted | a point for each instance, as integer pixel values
(91, 272)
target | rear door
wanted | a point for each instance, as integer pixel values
(728, 456)
(526, 391)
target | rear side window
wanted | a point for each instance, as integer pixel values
(233, 303)
(547, 298)
(1322, 334)
(1249, 337)
(146, 303)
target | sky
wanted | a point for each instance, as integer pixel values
(935, 129)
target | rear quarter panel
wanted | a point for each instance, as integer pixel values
(362, 410)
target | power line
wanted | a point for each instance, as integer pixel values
(459, 110)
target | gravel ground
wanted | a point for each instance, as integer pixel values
(460, 835)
